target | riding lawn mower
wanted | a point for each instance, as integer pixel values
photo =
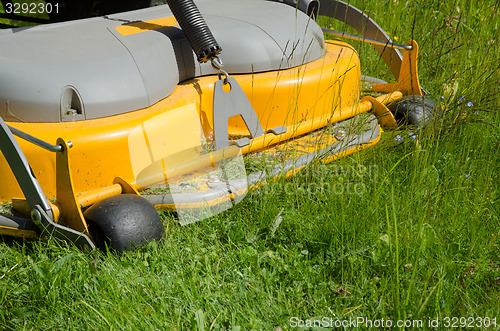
(105, 120)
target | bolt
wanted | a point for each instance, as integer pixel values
(36, 217)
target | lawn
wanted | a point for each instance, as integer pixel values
(408, 230)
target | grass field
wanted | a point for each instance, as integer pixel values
(407, 230)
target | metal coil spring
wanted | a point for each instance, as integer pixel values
(195, 28)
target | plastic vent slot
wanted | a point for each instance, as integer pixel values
(71, 105)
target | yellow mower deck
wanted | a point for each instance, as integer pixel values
(170, 141)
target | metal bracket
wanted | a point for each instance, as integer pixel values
(41, 211)
(232, 103)
(50, 228)
(384, 115)
(71, 211)
(241, 142)
(408, 82)
(277, 130)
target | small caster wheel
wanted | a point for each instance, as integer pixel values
(123, 222)
(413, 110)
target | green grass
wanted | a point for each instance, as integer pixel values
(405, 230)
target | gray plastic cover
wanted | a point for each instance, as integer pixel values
(86, 69)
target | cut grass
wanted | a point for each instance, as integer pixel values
(408, 229)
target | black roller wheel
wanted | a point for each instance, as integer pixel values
(123, 222)
(413, 110)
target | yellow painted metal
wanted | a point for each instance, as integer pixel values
(126, 187)
(28, 234)
(101, 150)
(132, 151)
(119, 186)
(21, 205)
(163, 142)
(335, 156)
(117, 146)
(71, 211)
(408, 82)
(184, 163)
(267, 140)
(384, 115)
(86, 199)
(67, 200)
(292, 96)
(137, 27)
(229, 197)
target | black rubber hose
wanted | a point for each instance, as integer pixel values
(195, 28)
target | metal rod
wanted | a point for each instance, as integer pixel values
(36, 141)
(366, 39)
(21, 168)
